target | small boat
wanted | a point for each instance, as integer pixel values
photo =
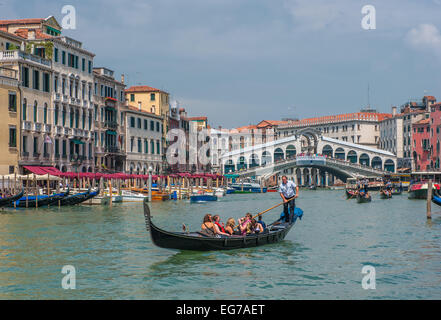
(385, 194)
(397, 191)
(272, 189)
(230, 190)
(78, 198)
(219, 192)
(313, 187)
(363, 198)
(203, 198)
(4, 202)
(436, 199)
(419, 190)
(351, 194)
(130, 196)
(198, 241)
(249, 186)
(39, 200)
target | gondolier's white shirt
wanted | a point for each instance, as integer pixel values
(288, 190)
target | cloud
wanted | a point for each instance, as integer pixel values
(425, 37)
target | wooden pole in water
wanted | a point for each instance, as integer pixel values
(429, 200)
(110, 190)
(27, 190)
(36, 191)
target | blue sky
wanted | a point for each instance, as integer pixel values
(241, 61)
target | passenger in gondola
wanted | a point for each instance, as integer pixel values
(229, 227)
(256, 227)
(244, 223)
(209, 228)
(216, 220)
(262, 223)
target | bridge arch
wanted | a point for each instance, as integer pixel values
(364, 159)
(340, 153)
(266, 157)
(389, 165)
(229, 166)
(352, 156)
(241, 163)
(377, 163)
(254, 160)
(328, 151)
(278, 154)
(290, 151)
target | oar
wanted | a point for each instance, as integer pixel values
(260, 213)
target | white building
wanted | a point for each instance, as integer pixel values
(143, 141)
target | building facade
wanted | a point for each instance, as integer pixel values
(109, 118)
(435, 135)
(143, 140)
(10, 121)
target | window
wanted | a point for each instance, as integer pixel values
(132, 122)
(146, 124)
(152, 147)
(35, 149)
(56, 115)
(25, 144)
(83, 64)
(157, 126)
(90, 66)
(12, 101)
(152, 97)
(25, 77)
(24, 109)
(152, 126)
(146, 146)
(46, 82)
(56, 54)
(157, 148)
(12, 137)
(64, 147)
(132, 97)
(63, 57)
(139, 123)
(139, 145)
(57, 147)
(36, 79)
(35, 111)
(131, 144)
(45, 113)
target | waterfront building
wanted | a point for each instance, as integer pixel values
(178, 120)
(422, 148)
(9, 41)
(56, 78)
(10, 121)
(435, 134)
(109, 118)
(360, 127)
(198, 125)
(143, 141)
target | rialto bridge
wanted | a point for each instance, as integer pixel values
(309, 158)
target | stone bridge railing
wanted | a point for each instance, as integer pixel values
(349, 168)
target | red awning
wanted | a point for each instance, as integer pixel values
(43, 170)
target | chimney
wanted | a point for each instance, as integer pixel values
(31, 34)
(139, 105)
(122, 78)
(394, 111)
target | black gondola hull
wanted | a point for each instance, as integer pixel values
(4, 202)
(198, 242)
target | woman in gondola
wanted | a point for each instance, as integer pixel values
(244, 223)
(229, 228)
(209, 228)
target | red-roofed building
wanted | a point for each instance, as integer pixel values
(47, 26)
(435, 135)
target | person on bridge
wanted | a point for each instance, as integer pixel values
(289, 191)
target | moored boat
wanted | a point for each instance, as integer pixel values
(419, 190)
(251, 187)
(198, 241)
(8, 200)
(130, 196)
(202, 198)
(39, 200)
(436, 199)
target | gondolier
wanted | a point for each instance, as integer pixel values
(289, 191)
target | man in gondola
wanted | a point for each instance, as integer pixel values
(289, 191)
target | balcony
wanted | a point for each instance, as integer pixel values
(110, 125)
(26, 125)
(37, 127)
(65, 98)
(112, 150)
(57, 156)
(59, 130)
(25, 154)
(67, 131)
(46, 156)
(57, 97)
(36, 155)
(47, 128)
(8, 56)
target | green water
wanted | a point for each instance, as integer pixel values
(321, 257)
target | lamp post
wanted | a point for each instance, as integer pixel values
(150, 183)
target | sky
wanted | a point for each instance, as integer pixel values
(242, 61)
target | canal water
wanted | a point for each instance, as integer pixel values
(321, 258)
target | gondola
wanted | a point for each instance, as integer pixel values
(8, 200)
(78, 198)
(436, 198)
(351, 194)
(385, 195)
(363, 199)
(39, 201)
(199, 242)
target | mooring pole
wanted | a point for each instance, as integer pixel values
(429, 200)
